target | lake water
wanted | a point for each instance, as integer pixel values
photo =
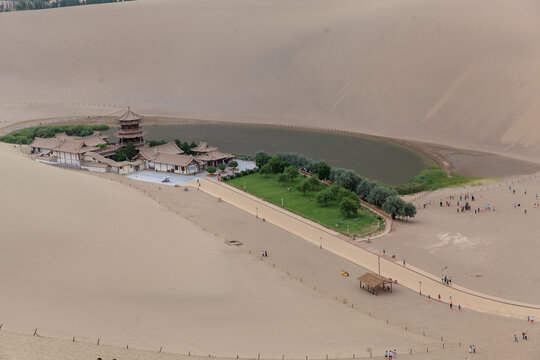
(376, 159)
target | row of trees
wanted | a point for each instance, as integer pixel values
(18, 5)
(27, 135)
(352, 186)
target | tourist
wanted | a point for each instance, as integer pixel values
(515, 338)
(526, 335)
(474, 348)
(523, 335)
(451, 305)
(386, 354)
(532, 320)
(470, 349)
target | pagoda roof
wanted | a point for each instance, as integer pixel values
(129, 116)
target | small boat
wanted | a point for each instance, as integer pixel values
(166, 180)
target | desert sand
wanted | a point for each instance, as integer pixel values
(87, 257)
(457, 72)
(132, 263)
(487, 251)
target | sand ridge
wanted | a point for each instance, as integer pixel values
(453, 72)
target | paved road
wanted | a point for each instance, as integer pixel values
(356, 252)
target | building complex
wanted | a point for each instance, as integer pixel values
(94, 153)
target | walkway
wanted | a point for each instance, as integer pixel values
(358, 253)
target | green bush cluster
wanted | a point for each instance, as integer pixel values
(127, 152)
(347, 199)
(239, 174)
(185, 146)
(276, 164)
(153, 143)
(432, 178)
(27, 135)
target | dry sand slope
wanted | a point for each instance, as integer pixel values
(93, 258)
(455, 72)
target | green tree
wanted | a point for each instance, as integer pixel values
(345, 193)
(364, 188)
(277, 165)
(131, 152)
(291, 172)
(408, 210)
(334, 191)
(222, 167)
(305, 186)
(323, 170)
(313, 182)
(394, 206)
(211, 169)
(348, 207)
(233, 164)
(120, 155)
(261, 158)
(324, 197)
(265, 170)
(378, 195)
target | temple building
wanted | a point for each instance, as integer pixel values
(210, 156)
(130, 129)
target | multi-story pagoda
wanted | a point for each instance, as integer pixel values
(130, 129)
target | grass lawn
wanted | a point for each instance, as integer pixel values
(268, 188)
(435, 178)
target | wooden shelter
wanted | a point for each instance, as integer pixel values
(371, 282)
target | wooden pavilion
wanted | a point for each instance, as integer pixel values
(371, 282)
(130, 129)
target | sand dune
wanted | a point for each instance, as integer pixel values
(87, 257)
(460, 72)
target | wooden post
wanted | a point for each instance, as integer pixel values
(35, 332)
(74, 339)
(98, 341)
(161, 348)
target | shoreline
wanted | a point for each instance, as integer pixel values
(466, 162)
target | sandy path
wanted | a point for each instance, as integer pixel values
(409, 276)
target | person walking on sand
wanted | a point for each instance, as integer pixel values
(474, 348)
(515, 338)
(532, 320)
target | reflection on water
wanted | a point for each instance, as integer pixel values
(375, 159)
